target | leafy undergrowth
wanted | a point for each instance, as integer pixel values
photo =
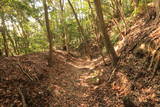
(78, 82)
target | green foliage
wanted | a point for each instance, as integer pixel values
(29, 15)
(38, 43)
(114, 38)
(1, 41)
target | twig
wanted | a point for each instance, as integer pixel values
(155, 68)
(152, 60)
(25, 72)
(154, 57)
(23, 98)
(112, 74)
(154, 38)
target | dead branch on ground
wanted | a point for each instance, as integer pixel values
(22, 70)
(22, 96)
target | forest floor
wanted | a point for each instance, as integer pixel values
(27, 80)
(78, 82)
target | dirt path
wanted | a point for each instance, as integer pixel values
(70, 88)
(63, 85)
(71, 82)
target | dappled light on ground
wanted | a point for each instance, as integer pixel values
(73, 53)
(122, 84)
(77, 81)
(69, 83)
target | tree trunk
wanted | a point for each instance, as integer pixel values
(157, 6)
(76, 17)
(108, 43)
(15, 42)
(96, 30)
(15, 34)
(64, 33)
(120, 12)
(49, 35)
(80, 29)
(26, 42)
(5, 42)
(12, 42)
(10, 38)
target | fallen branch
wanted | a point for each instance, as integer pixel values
(141, 38)
(113, 72)
(154, 57)
(155, 68)
(22, 70)
(23, 98)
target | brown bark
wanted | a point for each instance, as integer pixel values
(49, 35)
(96, 30)
(108, 43)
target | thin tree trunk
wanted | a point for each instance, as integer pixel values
(108, 43)
(76, 17)
(12, 42)
(25, 35)
(50, 59)
(64, 33)
(80, 29)
(17, 32)
(157, 6)
(96, 30)
(10, 38)
(120, 11)
(5, 42)
(26, 42)
(15, 36)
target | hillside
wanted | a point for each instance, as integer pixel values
(79, 53)
(79, 82)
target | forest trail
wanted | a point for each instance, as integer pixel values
(78, 82)
(70, 82)
(34, 73)
(71, 87)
